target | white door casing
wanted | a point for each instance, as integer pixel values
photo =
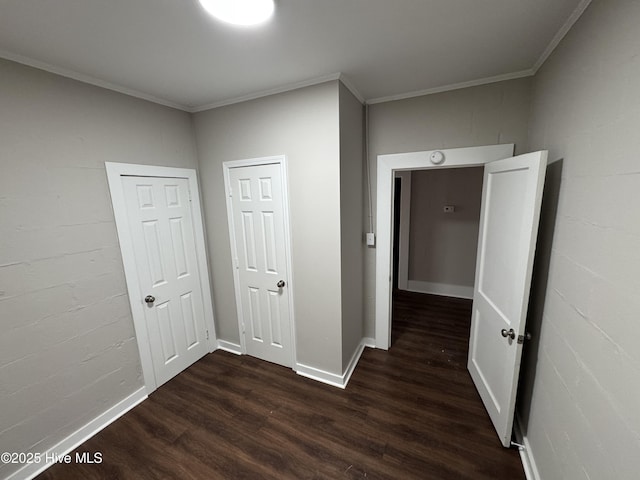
(405, 229)
(258, 223)
(387, 166)
(159, 224)
(511, 199)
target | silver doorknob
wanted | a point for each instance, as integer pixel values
(149, 299)
(509, 333)
(280, 284)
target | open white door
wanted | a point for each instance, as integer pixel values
(511, 198)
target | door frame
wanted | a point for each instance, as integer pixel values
(281, 161)
(388, 165)
(114, 173)
(405, 229)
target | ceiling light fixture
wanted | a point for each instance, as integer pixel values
(240, 12)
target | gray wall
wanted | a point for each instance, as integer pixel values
(67, 348)
(303, 125)
(68, 352)
(442, 246)
(580, 399)
(485, 115)
(351, 221)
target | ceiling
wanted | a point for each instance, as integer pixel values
(171, 52)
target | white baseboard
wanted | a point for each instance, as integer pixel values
(81, 435)
(333, 379)
(346, 376)
(526, 456)
(369, 342)
(320, 375)
(448, 290)
(230, 347)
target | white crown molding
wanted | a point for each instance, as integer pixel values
(352, 88)
(555, 41)
(266, 93)
(64, 72)
(80, 77)
(453, 86)
(575, 15)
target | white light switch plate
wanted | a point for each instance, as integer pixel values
(371, 239)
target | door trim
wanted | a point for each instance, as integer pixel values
(280, 160)
(405, 229)
(387, 166)
(114, 172)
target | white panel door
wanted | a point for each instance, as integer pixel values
(161, 225)
(261, 252)
(511, 198)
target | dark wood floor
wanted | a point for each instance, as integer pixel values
(409, 413)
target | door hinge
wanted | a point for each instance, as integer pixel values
(189, 194)
(237, 263)
(207, 334)
(243, 330)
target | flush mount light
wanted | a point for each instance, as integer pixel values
(239, 12)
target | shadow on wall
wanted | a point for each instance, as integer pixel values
(537, 297)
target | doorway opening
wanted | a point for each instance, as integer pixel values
(509, 213)
(388, 166)
(397, 215)
(439, 219)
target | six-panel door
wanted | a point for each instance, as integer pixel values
(260, 246)
(160, 219)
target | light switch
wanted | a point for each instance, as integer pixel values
(371, 239)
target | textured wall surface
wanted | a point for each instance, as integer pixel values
(67, 348)
(579, 401)
(485, 115)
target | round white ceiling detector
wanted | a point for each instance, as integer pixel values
(437, 157)
(240, 12)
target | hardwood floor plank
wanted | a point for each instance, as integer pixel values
(409, 413)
